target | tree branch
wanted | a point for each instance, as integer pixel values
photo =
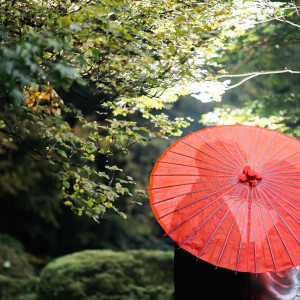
(252, 75)
(278, 19)
(289, 22)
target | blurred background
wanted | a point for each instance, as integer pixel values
(36, 227)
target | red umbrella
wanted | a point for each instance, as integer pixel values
(230, 195)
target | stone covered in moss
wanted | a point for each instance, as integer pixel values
(108, 275)
(17, 280)
(13, 259)
(17, 288)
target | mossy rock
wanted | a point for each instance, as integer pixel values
(108, 275)
(17, 280)
(13, 259)
(17, 288)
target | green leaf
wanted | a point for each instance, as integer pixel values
(123, 215)
(66, 184)
(108, 204)
(113, 168)
(62, 153)
(288, 11)
(65, 21)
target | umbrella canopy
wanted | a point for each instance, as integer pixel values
(230, 195)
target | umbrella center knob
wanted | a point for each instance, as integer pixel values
(250, 176)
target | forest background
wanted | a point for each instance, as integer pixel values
(91, 92)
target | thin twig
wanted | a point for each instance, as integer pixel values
(265, 21)
(288, 22)
(295, 6)
(252, 75)
(112, 178)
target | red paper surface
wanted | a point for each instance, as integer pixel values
(202, 204)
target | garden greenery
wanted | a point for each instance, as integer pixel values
(134, 57)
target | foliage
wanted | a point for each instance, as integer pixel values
(107, 275)
(275, 112)
(268, 100)
(133, 56)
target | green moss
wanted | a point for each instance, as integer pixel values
(13, 259)
(16, 288)
(108, 275)
(17, 280)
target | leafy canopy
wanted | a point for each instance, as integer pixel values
(133, 57)
(272, 99)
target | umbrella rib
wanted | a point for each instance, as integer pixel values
(258, 183)
(284, 200)
(200, 210)
(282, 205)
(258, 136)
(196, 182)
(284, 178)
(279, 161)
(246, 145)
(191, 175)
(277, 152)
(285, 167)
(212, 235)
(286, 172)
(235, 145)
(225, 243)
(200, 160)
(208, 220)
(212, 147)
(274, 187)
(227, 149)
(253, 223)
(195, 202)
(259, 190)
(257, 164)
(266, 231)
(240, 246)
(171, 163)
(284, 210)
(267, 179)
(206, 153)
(277, 187)
(209, 187)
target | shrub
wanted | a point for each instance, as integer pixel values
(108, 275)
